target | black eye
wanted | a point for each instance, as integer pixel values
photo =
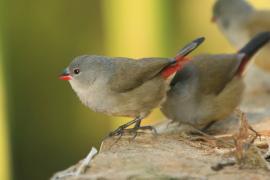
(76, 71)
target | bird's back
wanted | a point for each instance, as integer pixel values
(214, 71)
(199, 90)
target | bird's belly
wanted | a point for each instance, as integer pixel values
(218, 107)
(121, 104)
(104, 103)
(180, 107)
(195, 113)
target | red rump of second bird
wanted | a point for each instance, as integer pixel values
(242, 66)
(178, 65)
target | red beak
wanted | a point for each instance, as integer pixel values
(65, 76)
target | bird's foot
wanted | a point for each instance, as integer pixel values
(137, 121)
(118, 132)
(135, 130)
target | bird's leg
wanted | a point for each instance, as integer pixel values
(138, 126)
(120, 129)
(137, 121)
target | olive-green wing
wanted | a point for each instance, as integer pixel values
(215, 71)
(129, 74)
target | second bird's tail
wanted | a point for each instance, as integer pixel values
(251, 48)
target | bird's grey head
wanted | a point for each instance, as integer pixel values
(83, 71)
(227, 12)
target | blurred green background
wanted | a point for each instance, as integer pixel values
(43, 126)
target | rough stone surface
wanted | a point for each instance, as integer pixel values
(169, 156)
(162, 157)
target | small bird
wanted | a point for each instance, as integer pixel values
(239, 21)
(123, 86)
(209, 87)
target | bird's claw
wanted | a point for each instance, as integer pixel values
(143, 128)
(120, 131)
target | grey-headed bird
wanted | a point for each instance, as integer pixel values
(124, 86)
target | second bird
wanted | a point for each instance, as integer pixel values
(210, 87)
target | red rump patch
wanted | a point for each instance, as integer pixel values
(170, 70)
(242, 66)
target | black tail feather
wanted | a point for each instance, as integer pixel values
(251, 48)
(255, 44)
(191, 46)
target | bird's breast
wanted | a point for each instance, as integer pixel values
(141, 100)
